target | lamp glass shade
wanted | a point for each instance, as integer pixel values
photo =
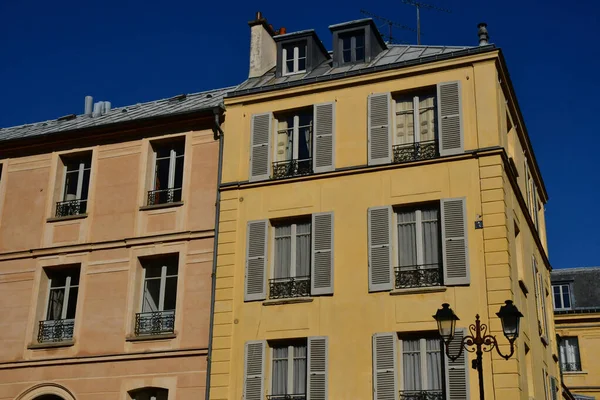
(510, 316)
(446, 321)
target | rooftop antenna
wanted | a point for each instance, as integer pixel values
(391, 24)
(418, 5)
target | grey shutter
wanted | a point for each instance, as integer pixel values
(554, 384)
(385, 372)
(254, 370)
(379, 121)
(451, 138)
(457, 373)
(322, 254)
(454, 242)
(260, 155)
(324, 137)
(381, 271)
(256, 261)
(316, 383)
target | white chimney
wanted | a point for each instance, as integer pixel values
(263, 50)
(482, 32)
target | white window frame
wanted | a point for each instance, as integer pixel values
(423, 363)
(172, 163)
(560, 287)
(293, 239)
(418, 234)
(163, 283)
(416, 116)
(80, 173)
(295, 134)
(290, 369)
(67, 289)
(295, 57)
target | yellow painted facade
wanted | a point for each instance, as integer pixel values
(492, 175)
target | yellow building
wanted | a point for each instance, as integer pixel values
(577, 317)
(344, 225)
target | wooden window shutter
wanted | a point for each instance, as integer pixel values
(381, 271)
(454, 242)
(322, 254)
(256, 261)
(324, 137)
(457, 373)
(385, 372)
(379, 121)
(318, 354)
(451, 136)
(254, 370)
(260, 153)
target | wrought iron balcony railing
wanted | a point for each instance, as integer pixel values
(286, 397)
(56, 330)
(154, 323)
(164, 196)
(289, 168)
(421, 395)
(71, 207)
(418, 276)
(570, 366)
(285, 288)
(415, 151)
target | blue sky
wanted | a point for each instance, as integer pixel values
(52, 54)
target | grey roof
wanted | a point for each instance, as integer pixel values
(394, 57)
(176, 105)
(584, 288)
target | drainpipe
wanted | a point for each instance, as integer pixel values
(219, 135)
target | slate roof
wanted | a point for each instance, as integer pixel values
(585, 291)
(394, 57)
(182, 104)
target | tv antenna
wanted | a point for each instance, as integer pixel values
(418, 5)
(391, 24)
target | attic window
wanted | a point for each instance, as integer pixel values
(353, 47)
(294, 58)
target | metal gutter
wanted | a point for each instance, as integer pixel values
(219, 135)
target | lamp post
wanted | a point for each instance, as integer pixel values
(479, 341)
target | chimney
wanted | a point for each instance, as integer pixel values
(483, 34)
(263, 50)
(89, 102)
(97, 109)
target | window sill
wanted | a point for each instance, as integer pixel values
(67, 217)
(275, 302)
(575, 373)
(429, 289)
(523, 287)
(50, 345)
(163, 205)
(143, 338)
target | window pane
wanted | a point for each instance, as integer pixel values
(57, 279)
(86, 184)
(347, 55)
(71, 185)
(299, 369)
(280, 374)
(178, 172)
(427, 117)
(302, 64)
(151, 295)
(303, 243)
(290, 66)
(407, 246)
(346, 43)
(434, 365)
(360, 54)
(411, 364)
(283, 251)
(170, 293)
(301, 50)
(55, 304)
(284, 140)
(431, 236)
(566, 298)
(154, 271)
(72, 303)
(162, 151)
(161, 176)
(74, 274)
(172, 267)
(405, 131)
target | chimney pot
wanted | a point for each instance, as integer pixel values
(482, 32)
(258, 15)
(282, 30)
(89, 103)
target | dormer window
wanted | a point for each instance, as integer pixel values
(294, 56)
(353, 47)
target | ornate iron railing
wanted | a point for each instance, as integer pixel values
(570, 366)
(289, 168)
(421, 395)
(164, 196)
(285, 288)
(154, 323)
(57, 330)
(418, 276)
(286, 397)
(71, 207)
(415, 151)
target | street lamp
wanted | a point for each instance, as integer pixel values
(510, 317)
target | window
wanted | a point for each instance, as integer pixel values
(569, 354)
(167, 175)
(159, 296)
(293, 150)
(353, 47)
(76, 181)
(291, 264)
(288, 373)
(422, 366)
(149, 394)
(415, 141)
(419, 247)
(294, 58)
(562, 298)
(63, 287)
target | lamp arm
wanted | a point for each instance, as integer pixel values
(466, 341)
(491, 341)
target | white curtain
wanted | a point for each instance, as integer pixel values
(407, 239)
(284, 143)
(55, 304)
(303, 249)
(434, 365)
(280, 370)
(569, 350)
(405, 130)
(411, 364)
(300, 369)
(427, 117)
(283, 251)
(431, 243)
